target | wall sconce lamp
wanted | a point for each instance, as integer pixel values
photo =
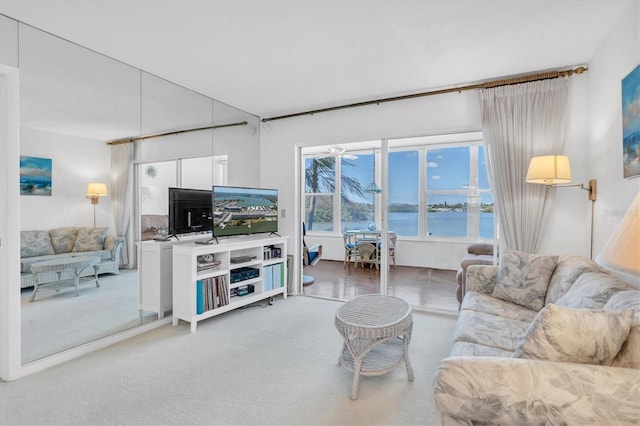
(94, 191)
(621, 254)
(555, 171)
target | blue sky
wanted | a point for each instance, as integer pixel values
(446, 169)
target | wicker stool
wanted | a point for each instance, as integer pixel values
(376, 331)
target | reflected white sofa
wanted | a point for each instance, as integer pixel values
(39, 246)
(514, 365)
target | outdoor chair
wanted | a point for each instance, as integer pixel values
(310, 256)
(350, 249)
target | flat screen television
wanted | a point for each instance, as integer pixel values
(189, 211)
(241, 211)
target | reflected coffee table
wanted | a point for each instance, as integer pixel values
(72, 265)
(376, 330)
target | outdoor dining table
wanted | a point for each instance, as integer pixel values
(368, 243)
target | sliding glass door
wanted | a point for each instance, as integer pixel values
(426, 199)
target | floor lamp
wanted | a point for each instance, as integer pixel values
(554, 170)
(94, 192)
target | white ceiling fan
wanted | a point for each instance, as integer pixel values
(338, 151)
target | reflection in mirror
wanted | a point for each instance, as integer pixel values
(240, 145)
(72, 99)
(156, 179)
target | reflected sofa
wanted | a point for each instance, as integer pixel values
(151, 223)
(565, 350)
(39, 246)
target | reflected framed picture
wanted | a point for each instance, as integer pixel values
(35, 176)
(631, 123)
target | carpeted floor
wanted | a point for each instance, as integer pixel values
(58, 320)
(259, 365)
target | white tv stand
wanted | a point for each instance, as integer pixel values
(256, 253)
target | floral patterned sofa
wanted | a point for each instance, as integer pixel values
(543, 340)
(38, 246)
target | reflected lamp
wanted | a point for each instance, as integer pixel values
(94, 192)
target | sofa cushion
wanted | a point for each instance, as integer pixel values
(481, 302)
(35, 243)
(90, 239)
(63, 239)
(575, 335)
(568, 270)
(476, 349)
(592, 290)
(629, 355)
(489, 330)
(523, 278)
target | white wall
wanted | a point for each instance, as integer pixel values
(158, 202)
(618, 55)
(75, 162)
(448, 113)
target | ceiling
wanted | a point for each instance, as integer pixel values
(270, 57)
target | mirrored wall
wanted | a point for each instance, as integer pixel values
(72, 102)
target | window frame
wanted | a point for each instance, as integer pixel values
(473, 213)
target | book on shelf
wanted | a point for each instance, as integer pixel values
(211, 293)
(271, 252)
(199, 297)
(273, 277)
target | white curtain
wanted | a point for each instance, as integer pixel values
(122, 194)
(519, 122)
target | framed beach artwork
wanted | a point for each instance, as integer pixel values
(631, 123)
(35, 176)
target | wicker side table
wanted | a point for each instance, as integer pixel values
(376, 330)
(71, 265)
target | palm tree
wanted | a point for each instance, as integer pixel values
(320, 176)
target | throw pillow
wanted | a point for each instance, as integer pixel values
(35, 243)
(90, 239)
(568, 270)
(629, 355)
(63, 239)
(523, 278)
(575, 335)
(592, 290)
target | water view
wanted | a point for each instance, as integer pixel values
(451, 224)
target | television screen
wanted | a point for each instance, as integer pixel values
(189, 211)
(238, 211)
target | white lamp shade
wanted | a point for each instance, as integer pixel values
(97, 190)
(549, 170)
(622, 251)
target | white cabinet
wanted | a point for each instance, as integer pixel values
(209, 280)
(155, 274)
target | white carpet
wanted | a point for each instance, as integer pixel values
(271, 365)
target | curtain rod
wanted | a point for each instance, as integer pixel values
(176, 132)
(486, 85)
